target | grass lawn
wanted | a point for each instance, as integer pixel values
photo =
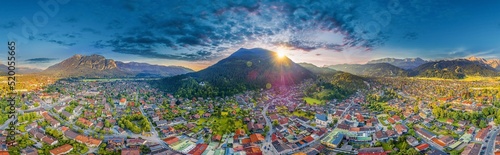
(299, 113)
(313, 101)
(225, 125)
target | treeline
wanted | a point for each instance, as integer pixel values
(339, 85)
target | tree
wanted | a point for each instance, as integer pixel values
(482, 124)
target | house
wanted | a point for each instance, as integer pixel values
(29, 151)
(372, 151)
(472, 149)
(161, 123)
(216, 138)
(481, 135)
(66, 148)
(85, 122)
(131, 151)
(424, 133)
(422, 147)
(449, 121)
(171, 140)
(123, 102)
(198, 149)
(256, 138)
(116, 141)
(67, 115)
(412, 141)
(400, 129)
(135, 142)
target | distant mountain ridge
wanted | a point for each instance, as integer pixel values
(494, 63)
(449, 69)
(97, 66)
(375, 70)
(19, 70)
(454, 69)
(145, 69)
(406, 63)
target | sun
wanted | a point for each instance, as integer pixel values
(281, 54)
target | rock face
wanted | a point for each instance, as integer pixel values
(407, 63)
(97, 66)
(93, 66)
(494, 63)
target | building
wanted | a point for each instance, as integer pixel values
(472, 149)
(412, 141)
(29, 151)
(422, 147)
(131, 151)
(123, 102)
(321, 120)
(481, 135)
(66, 148)
(338, 140)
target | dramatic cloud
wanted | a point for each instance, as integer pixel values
(180, 30)
(40, 60)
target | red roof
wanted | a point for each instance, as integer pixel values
(422, 147)
(308, 139)
(171, 140)
(199, 149)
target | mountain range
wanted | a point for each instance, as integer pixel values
(97, 66)
(494, 63)
(374, 69)
(449, 69)
(407, 63)
(19, 70)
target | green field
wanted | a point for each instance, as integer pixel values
(313, 101)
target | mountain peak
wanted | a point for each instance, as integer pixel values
(406, 63)
(474, 58)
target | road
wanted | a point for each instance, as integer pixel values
(490, 146)
(267, 144)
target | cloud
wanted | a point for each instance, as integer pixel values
(90, 30)
(9, 25)
(165, 29)
(70, 20)
(60, 42)
(40, 60)
(410, 36)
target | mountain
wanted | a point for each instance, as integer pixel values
(407, 63)
(246, 69)
(97, 66)
(317, 70)
(494, 63)
(372, 70)
(332, 84)
(19, 70)
(454, 69)
(145, 69)
(93, 66)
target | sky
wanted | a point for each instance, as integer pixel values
(198, 33)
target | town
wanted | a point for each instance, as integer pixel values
(130, 117)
